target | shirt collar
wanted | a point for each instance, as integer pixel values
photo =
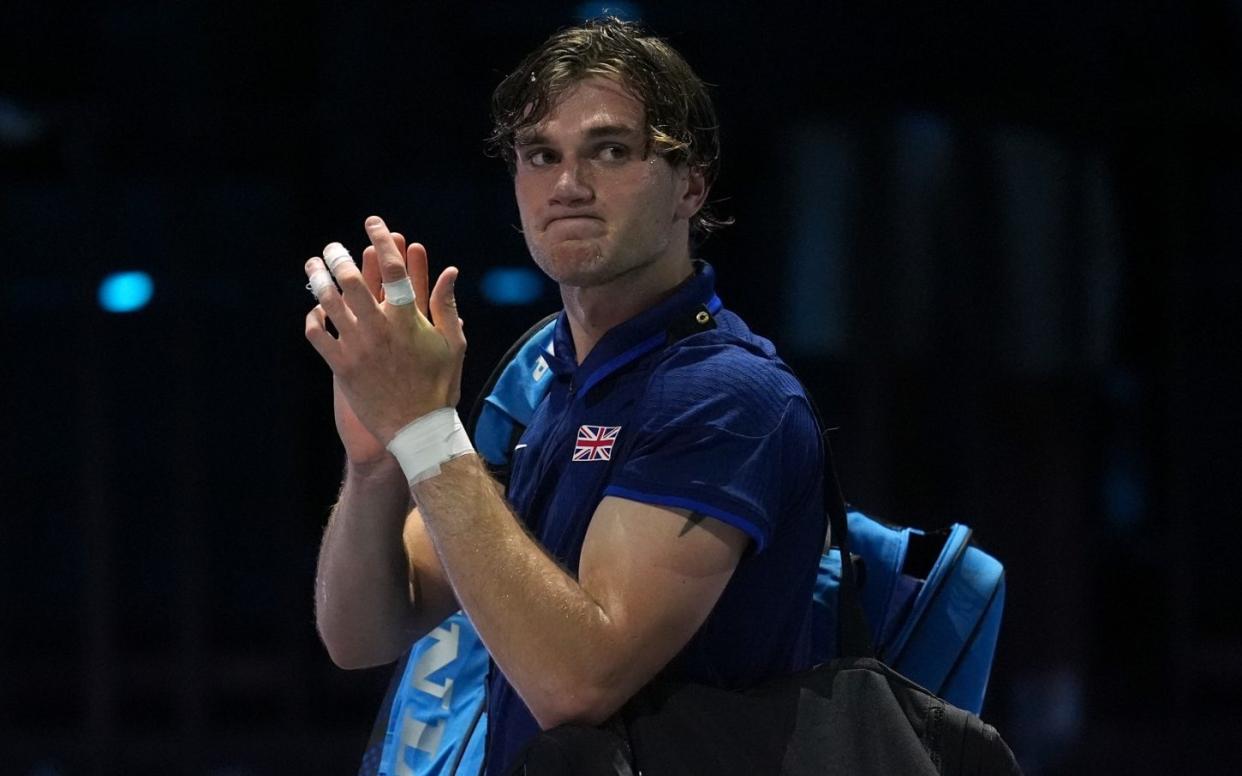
(628, 341)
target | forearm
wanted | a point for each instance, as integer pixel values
(550, 637)
(362, 592)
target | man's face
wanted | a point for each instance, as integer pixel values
(593, 208)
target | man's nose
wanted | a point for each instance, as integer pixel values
(573, 185)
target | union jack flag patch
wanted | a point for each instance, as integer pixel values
(595, 443)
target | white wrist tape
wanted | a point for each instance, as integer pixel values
(422, 446)
(399, 292)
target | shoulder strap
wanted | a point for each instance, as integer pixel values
(853, 634)
(476, 409)
(852, 631)
(504, 406)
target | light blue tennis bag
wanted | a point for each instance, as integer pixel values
(933, 601)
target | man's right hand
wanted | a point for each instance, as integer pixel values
(361, 447)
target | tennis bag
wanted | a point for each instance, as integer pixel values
(933, 601)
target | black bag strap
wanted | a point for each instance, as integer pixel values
(853, 633)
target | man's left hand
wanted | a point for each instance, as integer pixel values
(394, 363)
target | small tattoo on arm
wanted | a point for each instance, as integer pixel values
(692, 520)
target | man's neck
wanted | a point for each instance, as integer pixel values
(593, 311)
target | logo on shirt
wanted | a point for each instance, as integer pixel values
(541, 364)
(595, 443)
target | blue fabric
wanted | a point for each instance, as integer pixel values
(824, 607)
(519, 389)
(439, 697)
(946, 564)
(952, 638)
(884, 548)
(713, 422)
(967, 684)
(940, 632)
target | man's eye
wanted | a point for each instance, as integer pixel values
(540, 158)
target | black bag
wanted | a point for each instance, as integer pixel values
(854, 716)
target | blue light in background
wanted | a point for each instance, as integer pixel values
(1124, 491)
(629, 12)
(125, 292)
(512, 285)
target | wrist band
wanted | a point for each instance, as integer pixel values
(399, 292)
(422, 446)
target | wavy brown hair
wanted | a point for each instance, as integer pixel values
(680, 118)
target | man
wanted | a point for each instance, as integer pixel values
(664, 511)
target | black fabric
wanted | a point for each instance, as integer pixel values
(576, 750)
(852, 717)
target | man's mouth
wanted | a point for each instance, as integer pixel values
(574, 222)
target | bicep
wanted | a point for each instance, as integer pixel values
(429, 590)
(656, 572)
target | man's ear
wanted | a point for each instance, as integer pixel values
(695, 194)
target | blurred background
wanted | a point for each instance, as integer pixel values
(1000, 241)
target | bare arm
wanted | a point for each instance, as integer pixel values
(372, 599)
(378, 585)
(576, 650)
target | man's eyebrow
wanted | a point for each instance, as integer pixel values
(533, 138)
(611, 130)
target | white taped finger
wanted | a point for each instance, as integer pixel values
(320, 281)
(334, 254)
(399, 292)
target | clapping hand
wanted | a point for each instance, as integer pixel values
(392, 363)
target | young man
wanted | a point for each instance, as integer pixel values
(664, 511)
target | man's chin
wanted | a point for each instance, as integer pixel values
(575, 263)
(576, 251)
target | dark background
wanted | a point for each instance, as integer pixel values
(999, 240)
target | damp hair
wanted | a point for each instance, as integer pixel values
(679, 116)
